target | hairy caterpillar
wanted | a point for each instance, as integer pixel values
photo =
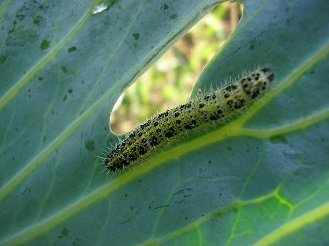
(161, 129)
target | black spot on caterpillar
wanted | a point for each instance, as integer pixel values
(201, 112)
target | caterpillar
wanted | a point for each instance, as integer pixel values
(161, 129)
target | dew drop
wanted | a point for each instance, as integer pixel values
(99, 8)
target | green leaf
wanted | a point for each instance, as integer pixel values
(260, 179)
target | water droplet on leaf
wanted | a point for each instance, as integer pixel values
(98, 8)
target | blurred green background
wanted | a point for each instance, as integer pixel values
(169, 81)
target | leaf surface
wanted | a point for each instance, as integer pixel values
(260, 179)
